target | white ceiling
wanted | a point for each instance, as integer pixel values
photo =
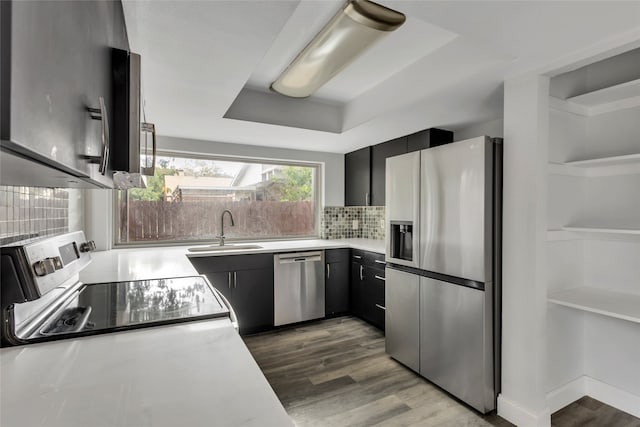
(443, 68)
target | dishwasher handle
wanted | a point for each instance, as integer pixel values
(299, 257)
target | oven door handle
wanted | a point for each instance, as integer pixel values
(83, 320)
(232, 314)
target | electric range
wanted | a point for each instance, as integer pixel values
(43, 299)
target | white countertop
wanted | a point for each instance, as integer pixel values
(172, 261)
(191, 374)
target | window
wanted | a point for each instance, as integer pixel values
(185, 198)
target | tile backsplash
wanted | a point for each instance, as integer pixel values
(340, 222)
(27, 212)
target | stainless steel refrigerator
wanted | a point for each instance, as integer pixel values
(443, 253)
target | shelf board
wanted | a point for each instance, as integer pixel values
(604, 166)
(626, 231)
(601, 301)
(624, 95)
(606, 161)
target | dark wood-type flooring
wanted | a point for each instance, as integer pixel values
(336, 373)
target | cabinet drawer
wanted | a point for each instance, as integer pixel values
(358, 256)
(372, 259)
(232, 263)
(375, 259)
(336, 255)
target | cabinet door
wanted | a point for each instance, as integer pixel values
(60, 64)
(336, 287)
(252, 299)
(222, 281)
(428, 138)
(379, 154)
(357, 177)
(356, 287)
(373, 296)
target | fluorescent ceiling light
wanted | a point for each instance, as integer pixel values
(358, 25)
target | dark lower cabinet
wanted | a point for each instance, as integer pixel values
(252, 299)
(357, 290)
(247, 282)
(367, 287)
(354, 282)
(336, 281)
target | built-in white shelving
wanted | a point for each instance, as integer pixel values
(613, 98)
(593, 235)
(607, 303)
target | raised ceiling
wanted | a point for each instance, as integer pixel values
(207, 65)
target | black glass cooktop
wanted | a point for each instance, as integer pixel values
(103, 307)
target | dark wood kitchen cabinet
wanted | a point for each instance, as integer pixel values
(367, 287)
(379, 154)
(336, 281)
(428, 138)
(365, 169)
(56, 63)
(247, 282)
(357, 177)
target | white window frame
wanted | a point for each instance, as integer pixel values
(318, 198)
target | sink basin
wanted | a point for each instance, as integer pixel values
(218, 248)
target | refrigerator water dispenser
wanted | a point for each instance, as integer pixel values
(402, 240)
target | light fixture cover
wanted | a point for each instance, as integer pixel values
(358, 25)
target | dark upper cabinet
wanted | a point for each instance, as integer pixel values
(365, 169)
(428, 138)
(336, 281)
(379, 154)
(357, 177)
(56, 63)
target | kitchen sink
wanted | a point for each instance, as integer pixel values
(218, 248)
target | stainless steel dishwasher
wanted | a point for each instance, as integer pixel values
(298, 287)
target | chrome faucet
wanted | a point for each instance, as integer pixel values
(222, 237)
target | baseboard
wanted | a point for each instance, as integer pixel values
(520, 416)
(613, 396)
(567, 393)
(587, 386)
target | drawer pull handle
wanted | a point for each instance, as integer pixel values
(357, 257)
(380, 277)
(380, 262)
(381, 307)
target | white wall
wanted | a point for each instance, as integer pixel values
(332, 171)
(524, 300)
(76, 209)
(492, 128)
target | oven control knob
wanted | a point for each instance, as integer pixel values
(57, 262)
(88, 246)
(44, 267)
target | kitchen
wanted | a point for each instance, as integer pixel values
(327, 187)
